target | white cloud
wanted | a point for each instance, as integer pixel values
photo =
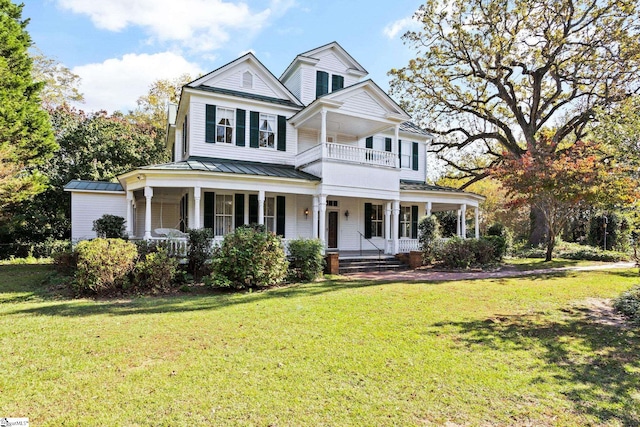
(201, 25)
(400, 26)
(117, 83)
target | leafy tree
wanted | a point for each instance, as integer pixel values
(152, 107)
(60, 83)
(92, 147)
(492, 76)
(560, 183)
(26, 139)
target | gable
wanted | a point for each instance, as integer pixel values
(328, 60)
(247, 75)
(363, 101)
(368, 98)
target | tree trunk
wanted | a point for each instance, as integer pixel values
(551, 243)
(538, 230)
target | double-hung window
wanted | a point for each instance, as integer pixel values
(270, 214)
(405, 221)
(377, 220)
(405, 154)
(224, 214)
(225, 125)
(267, 130)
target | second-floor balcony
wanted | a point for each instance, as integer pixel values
(347, 153)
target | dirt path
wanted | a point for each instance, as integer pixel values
(420, 275)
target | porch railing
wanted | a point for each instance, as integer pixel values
(347, 153)
(408, 245)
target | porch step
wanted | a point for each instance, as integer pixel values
(358, 265)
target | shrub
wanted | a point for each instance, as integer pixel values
(628, 304)
(155, 271)
(496, 229)
(249, 257)
(65, 262)
(459, 253)
(428, 233)
(199, 252)
(618, 232)
(574, 251)
(110, 227)
(104, 264)
(305, 259)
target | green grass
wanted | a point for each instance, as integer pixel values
(486, 352)
(528, 264)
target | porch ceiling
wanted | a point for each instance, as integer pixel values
(340, 123)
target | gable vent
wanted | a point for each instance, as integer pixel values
(247, 79)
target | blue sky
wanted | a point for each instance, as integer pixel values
(119, 47)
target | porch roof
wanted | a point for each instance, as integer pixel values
(80, 185)
(422, 186)
(207, 164)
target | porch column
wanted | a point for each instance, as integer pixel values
(396, 225)
(428, 209)
(323, 132)
(395, 148)
(129, 213)
(261, 207)
(476, 221)
(196, 207)
(314, 217)
(458, 232)
(463, 221)
(387, 228)
(148, 194)
(323, 218)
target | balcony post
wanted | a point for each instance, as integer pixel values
(463, 221)
(323, 132)
(476, 221)
(196, 207)
(130, 201)
(323, 218)
(387, 228)
(261, 207)
(314, 217)
(396, 146)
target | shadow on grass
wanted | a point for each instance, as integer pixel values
(539, 264)
(184, 302)
(596, 365)
(26, 282)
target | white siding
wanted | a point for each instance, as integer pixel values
(308, 84)
(232, 80)
(420, 174)
(87, 207)
(307, 138)
(198, 147)
(329, 61)
(294, 83)
(304, 226)
(362, 102)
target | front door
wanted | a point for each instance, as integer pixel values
(332, 239)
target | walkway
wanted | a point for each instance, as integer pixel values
(421, 275)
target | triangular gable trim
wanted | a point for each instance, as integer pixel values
(383, 97)
(355, 66)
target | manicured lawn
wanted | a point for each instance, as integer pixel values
(487, 352)
(527, 264)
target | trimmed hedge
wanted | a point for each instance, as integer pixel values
(104, 264)
(305, 260)
(465, 253)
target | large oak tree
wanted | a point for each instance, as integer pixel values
(490, 76)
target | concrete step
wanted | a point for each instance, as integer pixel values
(362, 265)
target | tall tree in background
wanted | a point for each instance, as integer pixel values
(491, 76)
(26, 139)
(60, 83)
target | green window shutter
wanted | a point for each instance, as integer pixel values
(414, 222)
(369, 142)
(239, 210)
(282, 133)
(322, 83)
(400, 151)
(280, 215)
(337, 82)
(400, 224)
(241, 117)
(414, 156)
(368, 210)
(253, 208)
(209, 205)
(254, 129)
(387, 144)
(210, 124)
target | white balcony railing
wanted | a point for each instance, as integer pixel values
(347, 153)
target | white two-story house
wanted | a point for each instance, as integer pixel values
(321, 152)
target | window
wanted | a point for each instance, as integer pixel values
(185, 137)
(224, 214)
(332, 203)
(405, 154)
(247, 79)
(224, 128)
(322, 83)
(267, 130)
(270, 214)
(337, 82)
(377, 219)
(405, 221)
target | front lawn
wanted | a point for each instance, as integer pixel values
(523, 351)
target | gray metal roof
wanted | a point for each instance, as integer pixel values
(423, 186)
(413, 128)
(207, 164)
(77, 184)
(247, 95)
